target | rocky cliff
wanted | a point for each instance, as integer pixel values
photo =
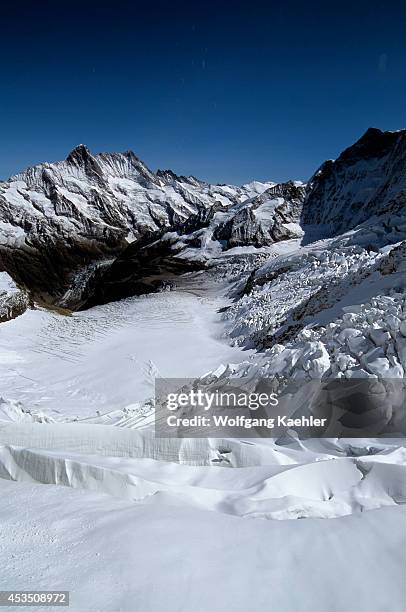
(367, 179)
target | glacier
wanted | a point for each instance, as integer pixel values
(111, 275)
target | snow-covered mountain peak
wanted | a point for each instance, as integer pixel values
(168, 177)
(374, 143)
(367, 179)
(78, 154)
(82, 164)
(58, 217)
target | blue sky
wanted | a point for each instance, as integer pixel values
(229, 93)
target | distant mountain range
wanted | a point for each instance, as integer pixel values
(70, 229)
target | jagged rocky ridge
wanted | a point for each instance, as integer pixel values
(59, 222)
(95, 228)
(368, 179)
(259, 221)
(13, 301)
(365, 188)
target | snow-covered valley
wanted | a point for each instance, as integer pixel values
(104, 361)
(259, 281)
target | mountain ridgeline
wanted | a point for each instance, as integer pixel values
(368, 179)
(95, 228)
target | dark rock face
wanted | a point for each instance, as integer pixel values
(143, 267)
(145, 264)
(264, 220)
(395, 261)
(367, 179)
(57, 219)
(95, 228)
(13, 305)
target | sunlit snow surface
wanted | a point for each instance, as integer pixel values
(106, 358)
(119, 556)
(125, 533)
(131, 523)
(92, 502)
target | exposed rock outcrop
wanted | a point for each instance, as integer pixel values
(58, 219)
(367, 179)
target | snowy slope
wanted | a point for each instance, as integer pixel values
(367, 179)
(128, 521)
(273, 216)
(314, 282)
(104, 361)
(158, 555)
(56, 218)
